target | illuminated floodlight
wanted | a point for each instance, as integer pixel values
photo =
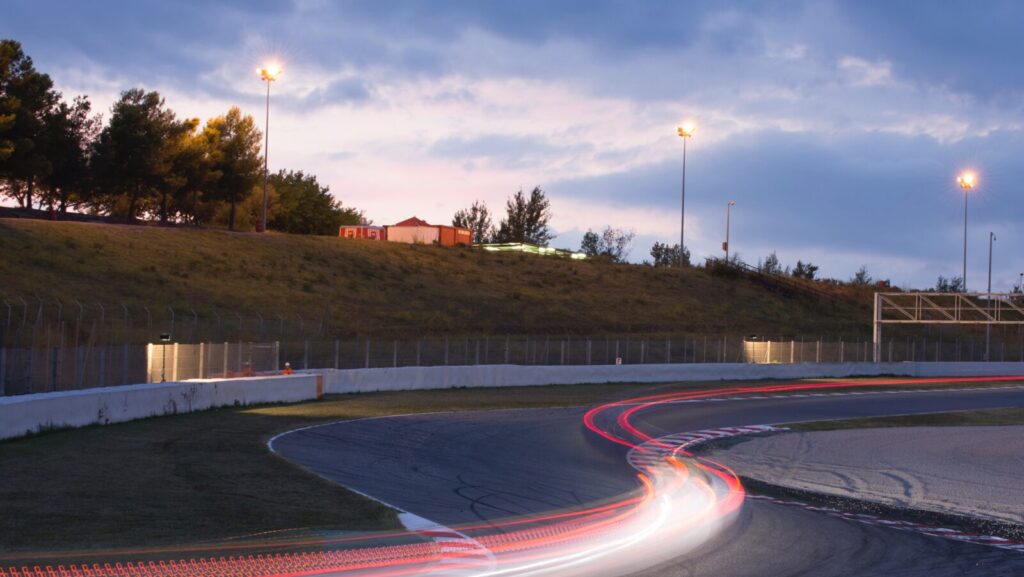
(686, 129)
(967, 180)
(269, 72)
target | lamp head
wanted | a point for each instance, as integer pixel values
(967, 180)
(686, 130)
(270, 72)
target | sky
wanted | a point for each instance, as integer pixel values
(838, 128)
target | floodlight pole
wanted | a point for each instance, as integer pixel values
(965, 241)
(269, 74)
(988, 327)
(728, 210)
(682, 207)
(684, 132)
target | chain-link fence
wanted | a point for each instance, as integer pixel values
(57, 368)
(180, 362)
(31, 322)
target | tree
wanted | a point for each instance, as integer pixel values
(591, 244)
(237, 142)
(477, 219)
(805, 270)
(192, 173)
(951, 285)
(26, 98)
(665, 255)
(861, 277)
(612, 244)
(131, 153)
(527, 220)
(69, 134)
(303, 206)
(771, 264)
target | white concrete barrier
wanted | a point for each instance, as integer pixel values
(413, 378)
(25, 414)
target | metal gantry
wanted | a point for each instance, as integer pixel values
(932, 308)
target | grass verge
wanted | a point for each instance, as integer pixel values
(208, 476)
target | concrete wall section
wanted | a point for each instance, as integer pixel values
(411, 378)
(23, 414)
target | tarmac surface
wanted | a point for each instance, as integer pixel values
(974, 471)
(455, 468)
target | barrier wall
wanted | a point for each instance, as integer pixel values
(412, 378)
(25, 414)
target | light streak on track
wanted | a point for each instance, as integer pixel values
(680, 502)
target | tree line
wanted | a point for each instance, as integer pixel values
(145, 162)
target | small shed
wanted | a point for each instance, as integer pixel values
(363, 231)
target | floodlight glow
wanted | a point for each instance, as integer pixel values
(967, 180)
(270, 72)
(686, 130)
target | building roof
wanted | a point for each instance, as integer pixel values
(412, 222)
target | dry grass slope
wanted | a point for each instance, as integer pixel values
(386, 289)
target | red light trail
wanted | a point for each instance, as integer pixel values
(680, 502)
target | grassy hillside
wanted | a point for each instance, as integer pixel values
(368, 288)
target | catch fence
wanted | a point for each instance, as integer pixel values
(58, 368)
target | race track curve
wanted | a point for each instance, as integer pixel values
(486, 467)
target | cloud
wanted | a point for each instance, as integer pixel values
(860, 72)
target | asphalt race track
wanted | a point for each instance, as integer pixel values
(457, 468)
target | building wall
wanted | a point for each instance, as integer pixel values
(363, 232)
(452, 236)
(413, 234)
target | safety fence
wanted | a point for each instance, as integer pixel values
(49, 369)
(57, 368)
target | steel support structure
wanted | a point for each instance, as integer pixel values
(930, 308)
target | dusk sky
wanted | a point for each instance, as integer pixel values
(837, 127)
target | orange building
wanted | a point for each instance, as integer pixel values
(418, 231)
(363, 231)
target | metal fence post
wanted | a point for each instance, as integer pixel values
(54, 366)
(3, 369)
(506, 348)
(305, 355)
(337, 353)
(643, 350)
(792, 348)
(446, 350)
(589, 350)
(124, 364)
(367, 353)
(394, 353)
(419, 344)
(561, 356)
(817, 354)
(202, 360)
